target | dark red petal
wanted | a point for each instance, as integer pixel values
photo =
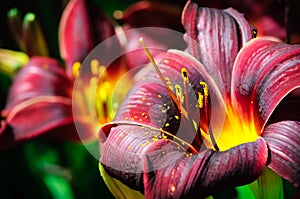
(153, 14)
(200, 175)
(160, 170)
(39, 115)
(283, 139)
(82, 27)
(214, 37)
(40, 77)
(39, 102)
(264, 73)
(50, 117)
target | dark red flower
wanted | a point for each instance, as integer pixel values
(37, 105)
(40, 98)
(199, 122)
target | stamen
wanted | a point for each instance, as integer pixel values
(178, 92)
(94, 67)
(205, 90)
(206, 93)
(185, 78)
(200, 100)
(173, 97)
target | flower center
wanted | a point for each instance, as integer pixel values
(236, 130)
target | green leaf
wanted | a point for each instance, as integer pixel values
(244, 192)
(59, 187)
(270, 185)
(44, 160)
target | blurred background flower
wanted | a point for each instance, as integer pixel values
(47, 167)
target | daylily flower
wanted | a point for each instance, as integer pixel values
(201, 121)
(40, 98)
(36, 105)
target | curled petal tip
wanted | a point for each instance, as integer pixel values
(202, 174)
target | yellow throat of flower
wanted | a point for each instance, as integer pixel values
(236, 130)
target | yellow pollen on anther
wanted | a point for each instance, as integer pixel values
(143, 98)
(200, 100)
(205, 89)
(75, 68)
(167, 124)
(184, 74)
(176, 117)
(94, 66)
(159, 96)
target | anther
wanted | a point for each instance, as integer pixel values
(205, 88)
(200, 100)
(205, 92)
(94, 66)
(185, 78)
(75, 68)
(184, 74)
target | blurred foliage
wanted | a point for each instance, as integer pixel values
(43, 169)
(48, 12)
